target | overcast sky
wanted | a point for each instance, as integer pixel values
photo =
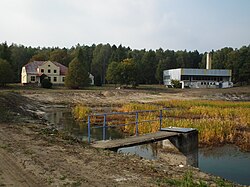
(151, 24)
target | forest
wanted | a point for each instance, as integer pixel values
(148, 65)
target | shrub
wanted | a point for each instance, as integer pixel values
(46, 83)
(176, 83)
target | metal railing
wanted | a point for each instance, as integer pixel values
(120, 119)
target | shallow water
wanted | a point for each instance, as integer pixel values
(227, 161)
(63, 120)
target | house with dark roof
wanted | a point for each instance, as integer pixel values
(35, 72)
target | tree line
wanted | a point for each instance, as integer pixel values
(123, 65)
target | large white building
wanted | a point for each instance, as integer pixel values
(34, 72)
(199, 78)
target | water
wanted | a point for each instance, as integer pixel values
(63, 120)
(147, 151)
(227, 161)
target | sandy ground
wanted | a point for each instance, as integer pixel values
(33, 154)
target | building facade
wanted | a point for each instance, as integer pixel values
(199, 78)
(35, 72)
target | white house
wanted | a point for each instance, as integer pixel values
(199, 78)
(36, 71)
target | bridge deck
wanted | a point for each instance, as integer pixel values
(134, 140)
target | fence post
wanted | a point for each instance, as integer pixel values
(160, 119)
(89, 129)
(136, 123)
(104, 127)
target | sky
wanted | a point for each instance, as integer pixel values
(200, 25)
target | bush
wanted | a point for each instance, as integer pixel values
(46, 83)
(176, 83)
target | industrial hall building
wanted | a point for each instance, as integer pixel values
(199, 78)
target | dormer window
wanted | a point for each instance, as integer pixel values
(42, 70)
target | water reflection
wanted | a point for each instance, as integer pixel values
(159, 150)
(63, 120)
(228, 162)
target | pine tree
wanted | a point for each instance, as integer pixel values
(77, 75)
(6, 73)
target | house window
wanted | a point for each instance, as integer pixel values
(33, 78)
(49, 79)
(48, 65)
(54, 70)
(55, 79)
(48, 70)
(63, 79)
(42, 70)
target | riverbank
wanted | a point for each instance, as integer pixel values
(36, 154)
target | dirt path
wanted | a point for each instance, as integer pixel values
(30, 156)
(12, 173)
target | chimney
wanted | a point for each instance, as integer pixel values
(209, 61)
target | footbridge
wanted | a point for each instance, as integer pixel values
(184, 140)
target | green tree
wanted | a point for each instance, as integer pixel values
(112, 75)
(42, 55)
(244, 73)
(162, 65)
(5, 52)
(60, 55)
(20, 55)
(101, 56)
(77, 75)
(123, 73)
(149, 65)
(6, 73)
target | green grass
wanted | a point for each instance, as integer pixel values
(188, 181)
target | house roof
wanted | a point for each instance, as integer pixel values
(31, 67)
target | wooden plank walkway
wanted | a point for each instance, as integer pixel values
(133, 140)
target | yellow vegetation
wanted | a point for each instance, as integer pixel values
(80, 112)
(218, 122)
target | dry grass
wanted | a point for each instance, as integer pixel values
(218, 122)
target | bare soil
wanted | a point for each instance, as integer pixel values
(35, 154)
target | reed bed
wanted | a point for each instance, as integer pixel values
(80, 112)
(218, 122)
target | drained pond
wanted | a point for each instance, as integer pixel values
(227, 161)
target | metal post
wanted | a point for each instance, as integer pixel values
(136, 123)
(88, 129)
(160, 119)
(104, 127)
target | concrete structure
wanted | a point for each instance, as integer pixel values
(199, 78)
(35, 72)
(177, 145)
